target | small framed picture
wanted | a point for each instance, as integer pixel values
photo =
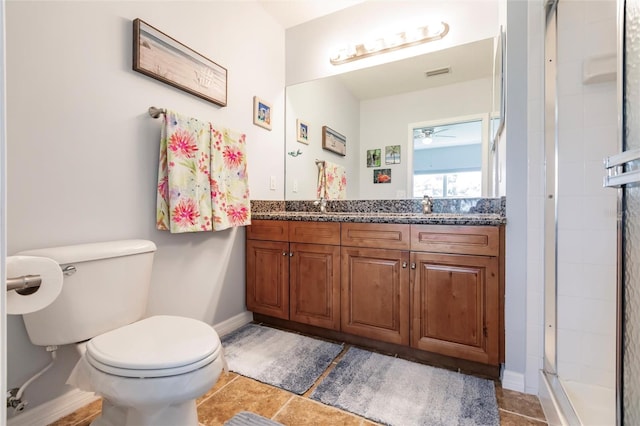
(261, 113)
(382, 176)
(302, 132)
(392, 154)
(373, 157)
(334, 141)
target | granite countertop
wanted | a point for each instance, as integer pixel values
(491, 219)
(446, 211)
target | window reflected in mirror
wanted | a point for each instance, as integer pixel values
(448, 157)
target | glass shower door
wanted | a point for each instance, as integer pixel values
(631, 218)
(624, 173)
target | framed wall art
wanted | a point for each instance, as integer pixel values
(373, 157)
(302, 132)
(165, 59)
(261, 113)
(392, 154)
(333, 141)
(382, 176)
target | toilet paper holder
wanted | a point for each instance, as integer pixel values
(25, 284)
(29, 284)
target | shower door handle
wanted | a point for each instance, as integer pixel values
(615, 176)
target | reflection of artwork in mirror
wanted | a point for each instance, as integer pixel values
(448, 157)
(334, 141)
(261, 113)
(373, 157)
(382, 176)
(392, 154)
(302, 132)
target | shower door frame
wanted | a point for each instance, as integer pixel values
(551, 388)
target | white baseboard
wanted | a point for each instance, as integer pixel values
(513, 381)
(233, 323)
(53, 410)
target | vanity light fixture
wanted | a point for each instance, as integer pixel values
(396, 41)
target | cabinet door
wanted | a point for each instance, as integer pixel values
(375, 294)
(268, 278)
(455, 306)
(315, 285)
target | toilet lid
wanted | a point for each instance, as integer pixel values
(153, 347)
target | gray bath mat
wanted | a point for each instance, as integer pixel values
(245, 418)
(279, 358)
(401, 393)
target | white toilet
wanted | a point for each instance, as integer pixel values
(148, 371)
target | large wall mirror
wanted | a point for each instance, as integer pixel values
(388, 112)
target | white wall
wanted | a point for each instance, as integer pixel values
(82, 150)
(319, 103)
(516, 184)
(385, 121)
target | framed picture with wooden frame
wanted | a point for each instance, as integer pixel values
(334, 141)
(261, 113)
(165, 59)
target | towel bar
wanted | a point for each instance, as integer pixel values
(156, 112)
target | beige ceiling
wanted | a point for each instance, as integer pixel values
(290, 13)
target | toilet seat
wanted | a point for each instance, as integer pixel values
(158, 346)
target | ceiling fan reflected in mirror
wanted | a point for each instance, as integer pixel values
(426, 135)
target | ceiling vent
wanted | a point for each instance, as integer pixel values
(438, 71)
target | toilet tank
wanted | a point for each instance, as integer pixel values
(108, 289)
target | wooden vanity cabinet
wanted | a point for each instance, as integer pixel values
(426, 289)
(375, 281)
(314, 279)
(456, 308)
(375, 294)
(267, 263)
(292, 278)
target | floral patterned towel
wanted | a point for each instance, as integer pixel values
(202, 179)
(332, 181)
(229, 180)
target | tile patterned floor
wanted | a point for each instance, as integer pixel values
(234, 393)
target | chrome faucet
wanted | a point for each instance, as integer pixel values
(323, 204)
(427, 204)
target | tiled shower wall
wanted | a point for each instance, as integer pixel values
(587, 211)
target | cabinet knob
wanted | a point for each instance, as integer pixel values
(284, 253)
(291, 254)
(404, 264)
(413, 266)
